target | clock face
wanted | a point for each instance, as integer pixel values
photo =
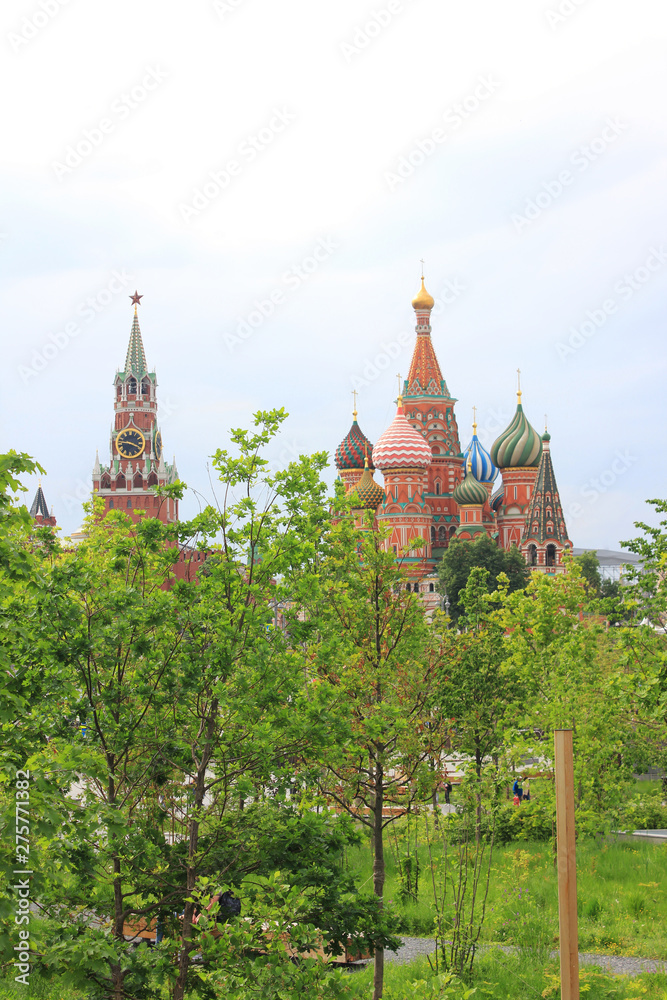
(158, 445)
(130, 442)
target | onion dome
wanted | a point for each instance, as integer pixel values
(401, 446)
(479, 461)
(354, 447)
(367, 495)
(519, 445)
(497, 498)
(469, 492)
(422, 299)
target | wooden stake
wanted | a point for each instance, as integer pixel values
(567, 866)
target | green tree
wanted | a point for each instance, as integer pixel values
(106, 642)
(477, 691)
(569, 683)
(461, 556)
(371, 647)
(589, 565)
(238, 723)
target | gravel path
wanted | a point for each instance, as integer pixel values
(619, 964)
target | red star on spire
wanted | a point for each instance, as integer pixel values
(136, 299)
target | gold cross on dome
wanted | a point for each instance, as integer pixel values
(421, 261)
(354, 411)
(399, 386)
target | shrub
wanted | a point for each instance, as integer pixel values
(645, 813)
(529, 821)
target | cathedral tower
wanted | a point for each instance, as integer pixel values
(352, 453)
(517, 454)
(429, 408)
(404, 457)
(136, 462)
(545, 535)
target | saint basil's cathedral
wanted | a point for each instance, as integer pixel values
(433, 492)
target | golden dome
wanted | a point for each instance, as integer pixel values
(422, 299)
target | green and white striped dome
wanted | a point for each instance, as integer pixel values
(519, 445)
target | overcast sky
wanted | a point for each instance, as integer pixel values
(268, 175)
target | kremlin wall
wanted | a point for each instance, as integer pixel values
(433, 491)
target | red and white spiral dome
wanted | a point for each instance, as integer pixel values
(401, 446)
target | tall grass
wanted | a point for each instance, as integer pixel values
(622, 892)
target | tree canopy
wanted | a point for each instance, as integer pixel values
(460, 558)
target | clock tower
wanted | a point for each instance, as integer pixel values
(136, 462)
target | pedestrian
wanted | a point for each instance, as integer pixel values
(448, 788)
(526, 790)
(517, 790)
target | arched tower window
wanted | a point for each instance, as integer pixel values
(437, 487)
(152, 479)
(129, 501)
(551, 555)
(442, 535)
(111, 503)
(120, 480)
(432, 535)
(145, 386)
(131, 385)
(532, 555)
(138, 480)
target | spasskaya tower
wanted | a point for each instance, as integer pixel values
(136, 461)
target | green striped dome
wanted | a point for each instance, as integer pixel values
(519, 444)
(469, 492)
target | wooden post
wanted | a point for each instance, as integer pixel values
(567, 866)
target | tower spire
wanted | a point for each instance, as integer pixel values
(135, 360)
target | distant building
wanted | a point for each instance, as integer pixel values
(434, 491)
(612, 564)
(39, 510)
(136, 460)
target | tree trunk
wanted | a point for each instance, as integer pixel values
(117, 975)
(192, 865)
(478, 819)
(378, 874)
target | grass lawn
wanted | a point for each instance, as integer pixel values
(508, 977)
(622, 891)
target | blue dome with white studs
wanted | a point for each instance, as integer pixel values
(478, 459)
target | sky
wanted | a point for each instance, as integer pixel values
(269, 176)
